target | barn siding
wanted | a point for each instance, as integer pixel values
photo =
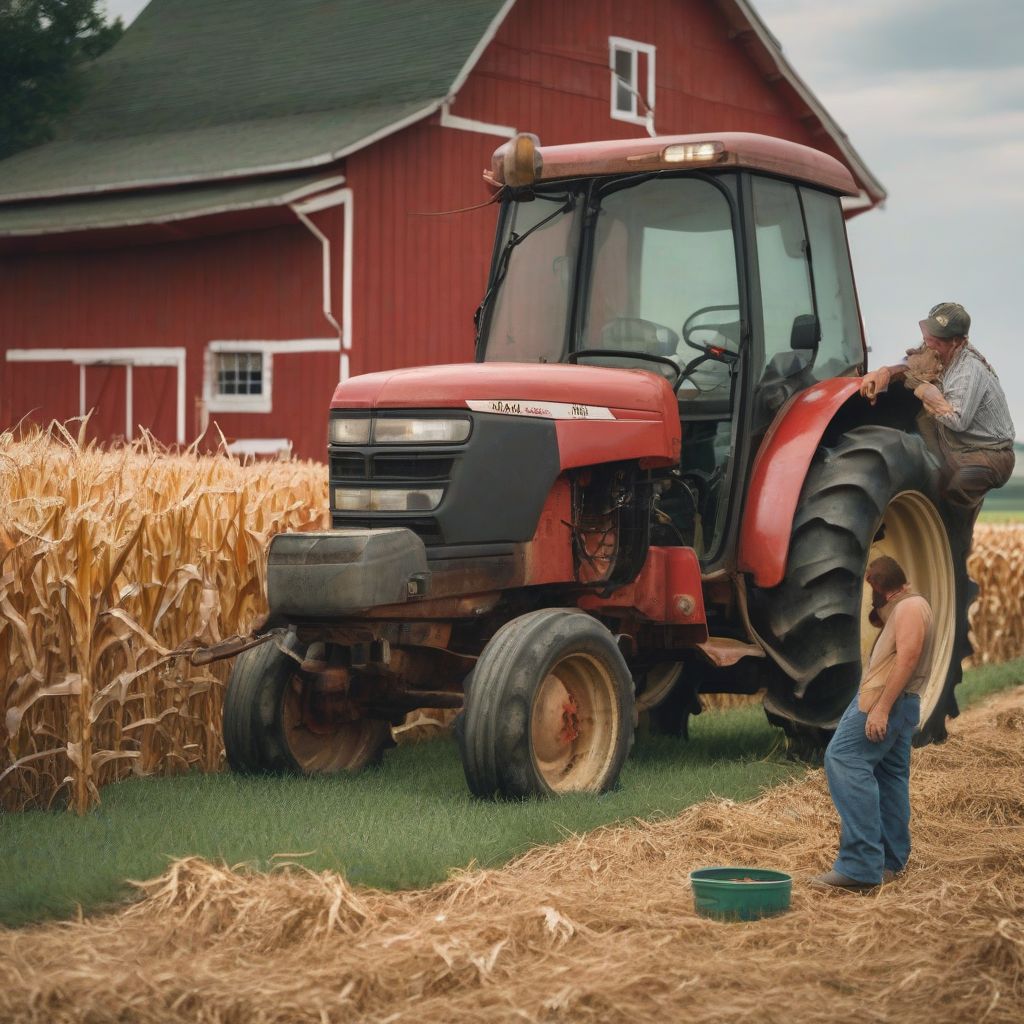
(263, 285)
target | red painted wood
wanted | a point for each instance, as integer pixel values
(155, 396)
(258, 285)
(45, 392)
(778, 474)
(105, 392)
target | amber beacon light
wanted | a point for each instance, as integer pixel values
(518, 162)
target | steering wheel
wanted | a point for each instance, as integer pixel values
(681, 372)
(621, 353)
(713, 351)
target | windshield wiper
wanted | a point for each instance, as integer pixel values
(501, 269)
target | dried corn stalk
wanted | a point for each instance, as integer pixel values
(997, 617)
(108, 560)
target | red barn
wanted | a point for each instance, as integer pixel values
(251, 200)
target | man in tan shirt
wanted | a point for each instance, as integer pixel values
(868, 760)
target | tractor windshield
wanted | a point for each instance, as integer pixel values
(526, 307)
(663, 282)
(660, 291)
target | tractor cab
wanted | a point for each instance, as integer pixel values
(721, 265)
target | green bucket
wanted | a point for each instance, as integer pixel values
(740, 894)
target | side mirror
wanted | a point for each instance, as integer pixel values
(806, 333)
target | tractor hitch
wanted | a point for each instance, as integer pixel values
(231, 646)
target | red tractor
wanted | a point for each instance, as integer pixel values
(657, 480)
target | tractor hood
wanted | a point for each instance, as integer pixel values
(602, 414)
(593, 392)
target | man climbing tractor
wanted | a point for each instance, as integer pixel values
(965, 418)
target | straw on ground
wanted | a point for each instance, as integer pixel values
(600, 928)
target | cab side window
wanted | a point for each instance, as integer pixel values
(784, 272)
(841, 349)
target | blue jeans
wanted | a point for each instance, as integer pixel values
(870, 786)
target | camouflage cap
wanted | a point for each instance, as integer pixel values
(947, 320)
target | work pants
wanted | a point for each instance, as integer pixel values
(870, 786)
(967, 474)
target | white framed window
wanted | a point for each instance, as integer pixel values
(238, 376)
(239, 373)
(632, 81)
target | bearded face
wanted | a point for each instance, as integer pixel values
(878, 602)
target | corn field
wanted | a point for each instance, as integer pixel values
(110, 560)
(997, 617)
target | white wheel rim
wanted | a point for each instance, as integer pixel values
(916, 537)
(574, 725)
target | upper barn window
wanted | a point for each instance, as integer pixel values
(632, 73)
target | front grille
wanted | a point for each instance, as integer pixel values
(372, 466)
(348, 467)
(411, 467)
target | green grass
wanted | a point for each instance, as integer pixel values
(404, 824)
(1005, 505)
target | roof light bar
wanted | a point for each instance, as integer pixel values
(693, 153)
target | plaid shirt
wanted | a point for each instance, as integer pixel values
(980, 416)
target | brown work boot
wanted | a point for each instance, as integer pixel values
(888, 875)
(833, 880)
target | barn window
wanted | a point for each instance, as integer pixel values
(239, 373)
(632, 81)
(237, 376)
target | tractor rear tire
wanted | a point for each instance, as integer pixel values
(264, 729)
(874, 492)
(550, 709)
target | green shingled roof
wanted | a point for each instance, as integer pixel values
(206, 89)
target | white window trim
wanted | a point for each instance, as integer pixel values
(469, 124)
(631, 46)
(279, 447)
(263, 403)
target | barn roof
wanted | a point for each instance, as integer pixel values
(163, 206)
(198, 92)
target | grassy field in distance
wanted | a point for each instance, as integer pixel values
(1005, 505)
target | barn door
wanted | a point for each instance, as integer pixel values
(106, 394)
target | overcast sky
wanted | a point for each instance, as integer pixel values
(931, 94)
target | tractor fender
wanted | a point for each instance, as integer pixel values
(780, 468)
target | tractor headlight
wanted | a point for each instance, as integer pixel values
(387, 499)
(410, 430)
(349, 430)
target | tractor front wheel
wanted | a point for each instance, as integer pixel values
(269, 727)
(550, 709)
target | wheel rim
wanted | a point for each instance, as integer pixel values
(574, 725)
(916, 538)
(336, 748)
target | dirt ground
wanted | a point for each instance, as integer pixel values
(599, 928)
